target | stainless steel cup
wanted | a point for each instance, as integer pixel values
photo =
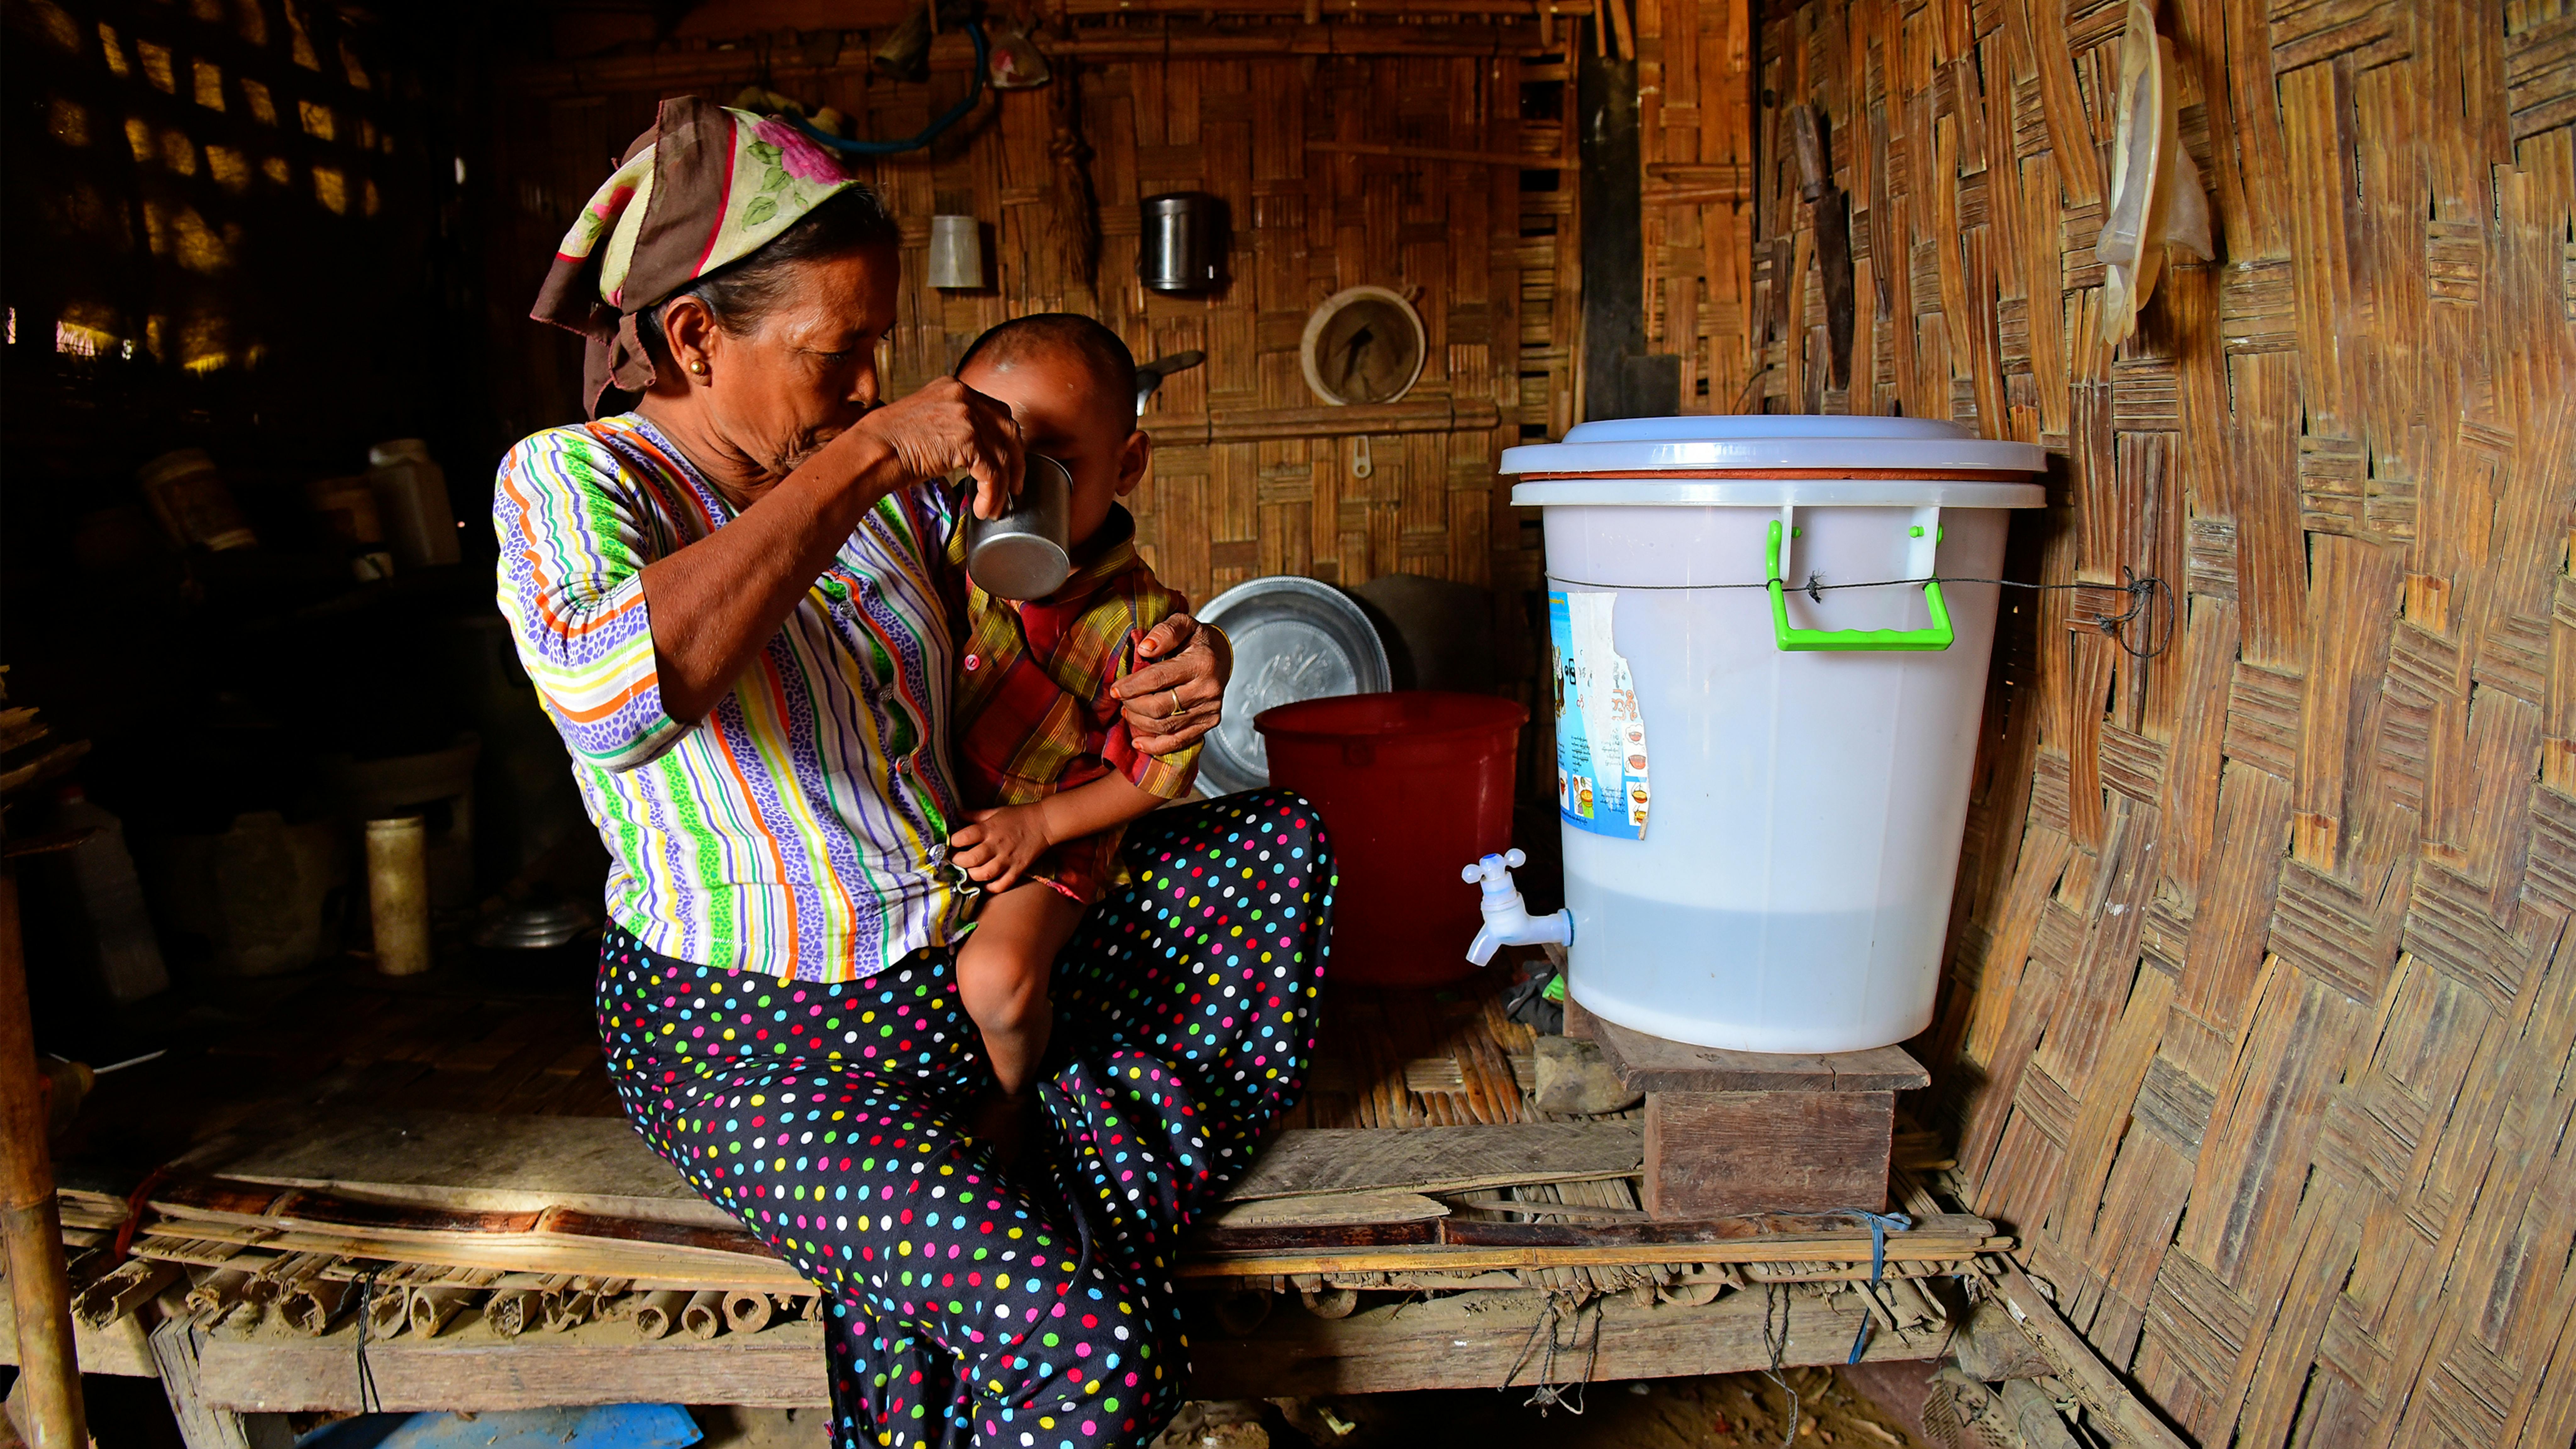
(1182, 241)
(1026, 553)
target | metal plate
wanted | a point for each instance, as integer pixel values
(1294, 638)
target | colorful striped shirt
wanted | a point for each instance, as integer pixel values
(1034, 710)
(799, 830)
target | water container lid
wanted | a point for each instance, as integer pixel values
(398, 450)
(1879, 455)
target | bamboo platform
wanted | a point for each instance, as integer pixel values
(1477, 1340)
(453, 1171)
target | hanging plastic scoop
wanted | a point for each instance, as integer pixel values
(2156, 198)
(1016, 63)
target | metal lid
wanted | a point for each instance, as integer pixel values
(533, 928)
(1749, 445)
(1294, 639)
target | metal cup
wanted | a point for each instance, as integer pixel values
(1026, 553)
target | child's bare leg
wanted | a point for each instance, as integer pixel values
(1002, 973)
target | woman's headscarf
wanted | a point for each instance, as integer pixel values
(706, 186)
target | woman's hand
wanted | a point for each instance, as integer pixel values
(1171, 703)
(997, 846)
(946, 427)
(719, 601)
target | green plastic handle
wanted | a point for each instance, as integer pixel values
(1931, 639)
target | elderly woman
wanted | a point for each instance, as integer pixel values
(738, 606)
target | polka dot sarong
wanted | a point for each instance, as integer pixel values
(968, 1306)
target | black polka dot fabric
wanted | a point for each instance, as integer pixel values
(968, 1306)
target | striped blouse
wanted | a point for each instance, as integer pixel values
(800, 830)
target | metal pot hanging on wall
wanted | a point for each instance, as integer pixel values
(1182, 246)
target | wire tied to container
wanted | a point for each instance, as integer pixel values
(2144, 591)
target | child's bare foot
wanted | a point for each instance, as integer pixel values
(1001, 1121)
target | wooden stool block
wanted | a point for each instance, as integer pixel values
(1716, 1154)
(1578, 1022)
(1747, 1132)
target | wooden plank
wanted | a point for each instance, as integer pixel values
(1514, 160)
(1599, 1246)
(665, 1269)
(1485, 1340)
(1713, 1153)
(1469, 1340)
(473, 1368)
(1253, 424)
(465, 1160)
(1440, 1159)
(202, 1423)
(216, 1202)
(1653, 1064)
(1330, 1209)
(1764, 1237)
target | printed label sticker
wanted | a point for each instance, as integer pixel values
(1600, 736)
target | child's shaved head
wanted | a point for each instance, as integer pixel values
(1056, 334)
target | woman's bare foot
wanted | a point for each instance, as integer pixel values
(1001, 1121)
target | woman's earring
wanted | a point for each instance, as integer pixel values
(698, 365)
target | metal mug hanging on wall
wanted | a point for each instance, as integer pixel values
(1183, 242)
(1027, 553)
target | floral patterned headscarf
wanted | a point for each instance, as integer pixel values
(706, 186)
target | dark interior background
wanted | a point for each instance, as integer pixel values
(284, 231)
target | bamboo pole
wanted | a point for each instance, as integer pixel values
(2077, 1364)
(660, 1312)
(704, 1317)
(39, 1284)
(748, 1310)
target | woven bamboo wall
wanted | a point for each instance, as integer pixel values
(1695, 115)
(1253, 474)
(2261, 990)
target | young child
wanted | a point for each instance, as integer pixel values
(1042, 749)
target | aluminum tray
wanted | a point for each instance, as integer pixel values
(1294, 638)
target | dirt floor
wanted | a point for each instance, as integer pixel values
(1722, 1411)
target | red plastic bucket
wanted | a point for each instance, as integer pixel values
(1413, 786)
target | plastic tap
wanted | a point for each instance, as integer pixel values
(1507, 918)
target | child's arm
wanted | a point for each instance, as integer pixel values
(1000, 845)
(1104, 804)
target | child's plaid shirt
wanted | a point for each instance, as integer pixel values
(1033, 703)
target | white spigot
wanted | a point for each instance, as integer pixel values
(1507, 918)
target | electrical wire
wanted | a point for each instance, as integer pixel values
(369, 1400)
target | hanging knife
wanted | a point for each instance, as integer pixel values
(1830, 211)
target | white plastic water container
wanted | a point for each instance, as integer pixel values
(1762, 786)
